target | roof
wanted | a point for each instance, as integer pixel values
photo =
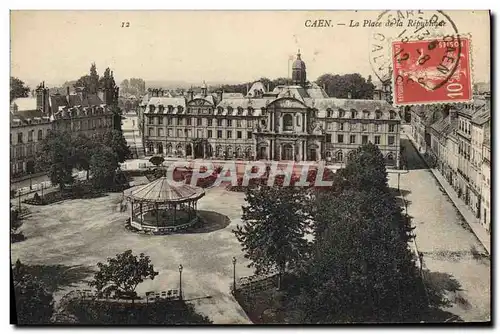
(481, 116)
(445, 126)
(232, 96)
(24, 103)
(168, 101)
(256, 86)
(164, 190)
(25, 117)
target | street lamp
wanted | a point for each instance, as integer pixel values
(234, 274)
(180, 281)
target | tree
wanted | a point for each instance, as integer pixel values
(340, 86)
(361, 268)
(18, 89)
(57, 157)
(107, 82)
(84, 148)
(103, 166)
(15, 224)
(90, 81)
(157, 160)
(121, 274)
(275, 222)
(117, 142)
(366, 169)
(34, 304)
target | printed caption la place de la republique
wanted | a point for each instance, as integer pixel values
(394, 23)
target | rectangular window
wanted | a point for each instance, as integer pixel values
(30, 136)
(160, 120)
(229, 122)
(341, 126)
(392, 127)
(179, 132)
(209, 133)
(188, 121)
(340, 138)
(198, 121)
(229, 134)
(151, 132)
(219, 122)
(160, 132)
(238, 123)
(364, 140)
(209, 122)
(364, 127)
(249, 134)
(199, 133)
(219, 133)
(391, 140)
(377, 140)
(180, 121)
(170, 132)
(352, 139)
(169, 121)
(150, 120)
(328, 138)
(238, 134)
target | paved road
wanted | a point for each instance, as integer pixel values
(453, 256)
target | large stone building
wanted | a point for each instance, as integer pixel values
(292, 122)
(31, 118)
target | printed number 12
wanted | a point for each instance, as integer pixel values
(125, 24)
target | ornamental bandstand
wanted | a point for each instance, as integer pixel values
(163, 206)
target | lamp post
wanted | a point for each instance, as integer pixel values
(234, 274)
(180, 281)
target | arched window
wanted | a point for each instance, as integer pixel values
(40, 135)
(339, 156)
(288, 122)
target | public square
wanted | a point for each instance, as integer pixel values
(77, 234)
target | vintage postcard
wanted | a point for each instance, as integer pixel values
(250, 167)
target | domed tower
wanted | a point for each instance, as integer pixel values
(299, 71)
(204, 89)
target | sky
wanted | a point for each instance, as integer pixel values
(211, 46)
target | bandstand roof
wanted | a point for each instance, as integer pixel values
(164, 190)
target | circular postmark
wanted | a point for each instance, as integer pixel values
(422, 46)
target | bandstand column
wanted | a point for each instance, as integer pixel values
(142, 219)
(157, 214)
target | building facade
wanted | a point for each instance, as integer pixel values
(460, 145)
(297, 123)
(33, 117)
(28, 127)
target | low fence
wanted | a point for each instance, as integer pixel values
(250, 285)
(149, 297)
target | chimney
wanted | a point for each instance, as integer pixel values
(190, 94)
(349, 95)
(268, 87)
(247, 89)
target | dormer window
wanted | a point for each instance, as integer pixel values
(188, 111)
(161, 108)
(240, 111)
(219, 110)
(250, 111)
(341, 113)
(151, 108)
(353, 114)
(229, 110)
(329, 112)
(392, 115)
(210, 111)
(180, 109)
(378, 114)
(366, 114)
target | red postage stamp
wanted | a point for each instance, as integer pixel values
(432, 71)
